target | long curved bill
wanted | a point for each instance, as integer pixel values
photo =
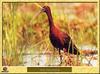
(38, 5)
(37, 14)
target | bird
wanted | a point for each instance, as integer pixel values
(59, 39)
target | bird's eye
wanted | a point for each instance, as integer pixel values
(43, 9)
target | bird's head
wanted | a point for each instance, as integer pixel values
(46, 9)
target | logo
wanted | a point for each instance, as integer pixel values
(5, 69)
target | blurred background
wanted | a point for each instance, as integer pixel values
(26, 33)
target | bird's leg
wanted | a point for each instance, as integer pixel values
(68, 60)
(77, 59)
(66, 53)
(54, 49)
(60, 57)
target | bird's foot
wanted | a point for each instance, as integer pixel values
(60, 60)
(60, 64)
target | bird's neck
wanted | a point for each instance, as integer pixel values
(50, 19)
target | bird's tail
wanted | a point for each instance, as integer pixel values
(74, 50)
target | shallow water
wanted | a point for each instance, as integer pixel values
(45, 59)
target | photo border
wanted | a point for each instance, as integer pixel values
(75, 69)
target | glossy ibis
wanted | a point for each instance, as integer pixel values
(60, 40)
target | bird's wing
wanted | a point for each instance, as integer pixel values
(66, 39)
(68, 44)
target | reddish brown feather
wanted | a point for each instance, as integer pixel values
(58, 34)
